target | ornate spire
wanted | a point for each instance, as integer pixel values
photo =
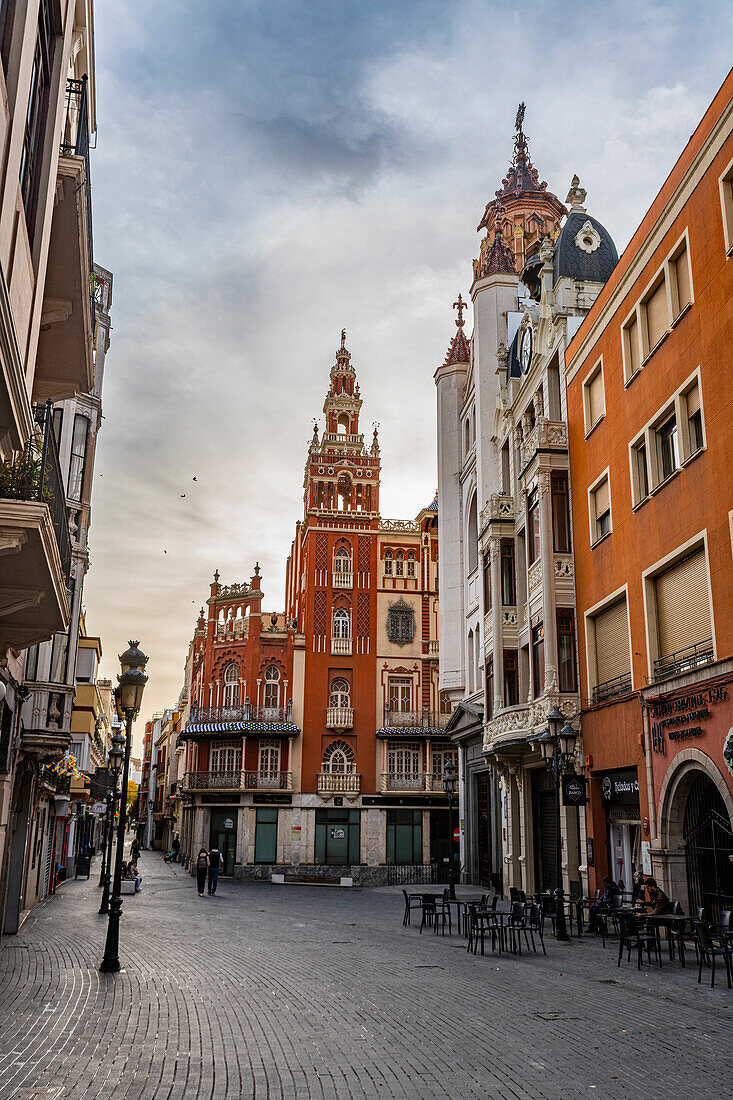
(522, 176)
(343, 356)
(375, 442)
(576, 196)
(495, 258)
(459, 350)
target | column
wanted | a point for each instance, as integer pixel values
(548, 583)
(497, 639)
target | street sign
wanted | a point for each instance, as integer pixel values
(456, 835)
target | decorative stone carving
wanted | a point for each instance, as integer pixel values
(534, 576)
(509, 616)
(588, 239)
(543, 481)
(563, 565)
(406, 525)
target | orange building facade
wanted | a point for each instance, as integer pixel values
(649, 384)
(315, 737)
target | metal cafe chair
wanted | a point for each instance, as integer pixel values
(710, 950)
(633, 934)
(436, 913)
(412, 901)
(535, 922)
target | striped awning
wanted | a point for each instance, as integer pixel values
(240, 727)
(394, 733)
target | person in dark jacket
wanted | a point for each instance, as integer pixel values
(202, 866)
(175, 848)
(135, 849)
(214, 868)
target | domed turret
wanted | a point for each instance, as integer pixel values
(584, 249)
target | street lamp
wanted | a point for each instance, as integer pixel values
(116, 756)
(450, 781)
(129, 697)
(556, 745)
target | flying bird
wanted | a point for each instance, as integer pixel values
(183, 496)
(194, 479)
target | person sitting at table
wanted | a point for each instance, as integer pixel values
(610, 890)
(657, 903)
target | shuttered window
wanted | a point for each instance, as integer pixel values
(631, 337)
(600, 511)
(657, 318)
(681, 268)
(683, 609)
(595, 399)
(613, 658)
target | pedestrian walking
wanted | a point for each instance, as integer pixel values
(135, 849)
(214, 866)
(202, 866)
(175, 848)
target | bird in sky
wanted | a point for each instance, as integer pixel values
(183, 495)
(194, 479)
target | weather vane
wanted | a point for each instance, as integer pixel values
(519, 121)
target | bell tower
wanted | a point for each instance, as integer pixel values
(341, 475)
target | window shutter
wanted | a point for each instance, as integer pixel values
(602, 498)
(657, 318)
(682, 273)
(683, 609)
(595, 398)
(612, 643)
(693, 400)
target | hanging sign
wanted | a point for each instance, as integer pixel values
(337, 834)
(573, 790)
(99, 808)
(228, 823)
(620, 787)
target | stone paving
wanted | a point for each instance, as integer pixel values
(306, 992)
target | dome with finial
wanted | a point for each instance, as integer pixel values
(459, 350)
(585, 249)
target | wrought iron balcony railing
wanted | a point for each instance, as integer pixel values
(415, 719)
(238, 780)
(412, 781)
(619, 685)
(249, 712)
(35, 475)
(684, 659)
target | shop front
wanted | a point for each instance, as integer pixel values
(625, 846)
(223, 835)
(689, 728)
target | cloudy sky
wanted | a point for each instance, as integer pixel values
(269, 171)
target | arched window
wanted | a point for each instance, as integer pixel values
(272, 686)
(342, 425)
(472, 536)
(388, 563)
(340, 695)
(411, 563)
(231, 685)
(341, 623)
(399, 564)
(342, 560)
(339, 757)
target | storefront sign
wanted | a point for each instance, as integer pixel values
(589, 855)
(573, 791)
(337, 834)
(99, 808)
(228, 823)
(620, 787)
(678, 717)
(295, 834)
(272, 799)
(646, 858)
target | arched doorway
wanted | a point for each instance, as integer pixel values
(708, 845)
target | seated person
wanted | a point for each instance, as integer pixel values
(610, 890)
(656, 901)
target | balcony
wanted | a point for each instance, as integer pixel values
(339, 718)
(434, 648)
(419, 782)
(415, 719)
(238, 781)
(64, 364)
(348, 783)
(35, 547)
(47, 720)
(341, 647)
(499, 507)
(343, 580)
(684, 660)
(609, 689)
(247, 713)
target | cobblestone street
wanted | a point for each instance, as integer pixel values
(268, 991)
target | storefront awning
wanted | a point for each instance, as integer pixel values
(273, 728)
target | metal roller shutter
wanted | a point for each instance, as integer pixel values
(612, 642)
(683, 609)
(595, 398)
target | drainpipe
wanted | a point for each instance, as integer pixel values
(649, 772)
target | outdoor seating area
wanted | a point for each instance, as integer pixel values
(511, 926)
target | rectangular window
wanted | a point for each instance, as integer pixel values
(266, 835)
(632, 353)
(404, 836)
(78, 456)
(683, 614)
(59, 650)
(31, 663)
(533, 527)
(85, 665)
(400, 694)
(600, 509)
(487, 582)
(594, 402)
(642, 474)
(668, 455)
(609, 642)
(560, 514)
(508, 580)
(538, 661)
(490, 687)
(511, 678)
(694, 419)
(566, 651)
(681, 285)
(58, 422)
(656, 315)
(726, 202)
(269, 758)
(404, 758)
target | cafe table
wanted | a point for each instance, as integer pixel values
(676, 921)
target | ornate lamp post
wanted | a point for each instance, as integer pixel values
(556, 745)
(116, 756)
(450, 781)
(129, 700)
